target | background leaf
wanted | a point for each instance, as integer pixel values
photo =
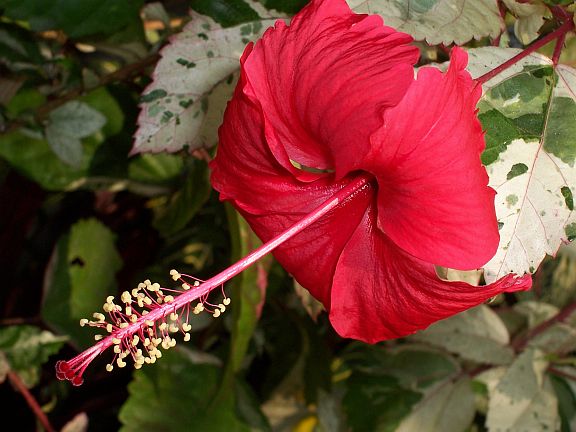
(27, 348)
(477, 334)
(82, 273)
(524, 398)
(437, 21)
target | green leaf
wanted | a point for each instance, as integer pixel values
(449, 408)
(77, 19)
(524, 398)
(415, 366)
(193, 81)
(175, 395)
(159, 168)
(27, 348)
(477, 334)
(184, 203)
(81, 275)
(389, 403)
(535, 103)
(287, 6)
(566, 401)
(437, 21)
(227, 13)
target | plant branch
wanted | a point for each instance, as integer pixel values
(559, 33)
(121, 74)
(519, 343)
(40, 415)
(561, 373)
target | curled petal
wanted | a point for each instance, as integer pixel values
(380, 292)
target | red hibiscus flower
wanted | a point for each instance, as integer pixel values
(332, 98)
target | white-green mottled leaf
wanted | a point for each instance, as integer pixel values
(26, 348)
(477, 334)
(437, 21)
(450, 408)
(68, 149)
(523, 399)
(559, 338)
(529, 19)
(193, 80)
(528, 113)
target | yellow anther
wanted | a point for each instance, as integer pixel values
(135, 340)
(163, 326)
(109, 328)
(175, 275)
(158, 354)
(216, 313)
(172, 342)
(156, 286)
(109, 367)
(135, 292)
(186, 337)
(98, 316)
(173, 316)
(168, 299)
(116, 341)
(128, 310)
(149, 323)
(117, 349)
(137, 366)
(110, 299)
(186, 327)
(153, 358)
(106, 307)
(121, 363)
(157, 341)
(145, 312)
(222, 307)
(196, 283)
(226, 301)
(141, 285)
(133, 318)
(159, 300)
(123, 325)
(185, 286)
(147, 282)
(148, 301)
(166, 343)
(118, 308)
(98, 337)
(146, 342)
(173, 328)
(83, 322)
(126, 297)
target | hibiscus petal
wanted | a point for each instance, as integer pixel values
(272, 199)
(311, 79)
(434, 200)
(381, 292)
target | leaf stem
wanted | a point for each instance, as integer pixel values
(559, 33)
(40, 415)
(521, 342)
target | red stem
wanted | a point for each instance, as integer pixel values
(558, 49)
(560, 32)
(17, 382)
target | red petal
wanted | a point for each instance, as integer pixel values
(311, 80)
(433, 200)
(380, 292)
